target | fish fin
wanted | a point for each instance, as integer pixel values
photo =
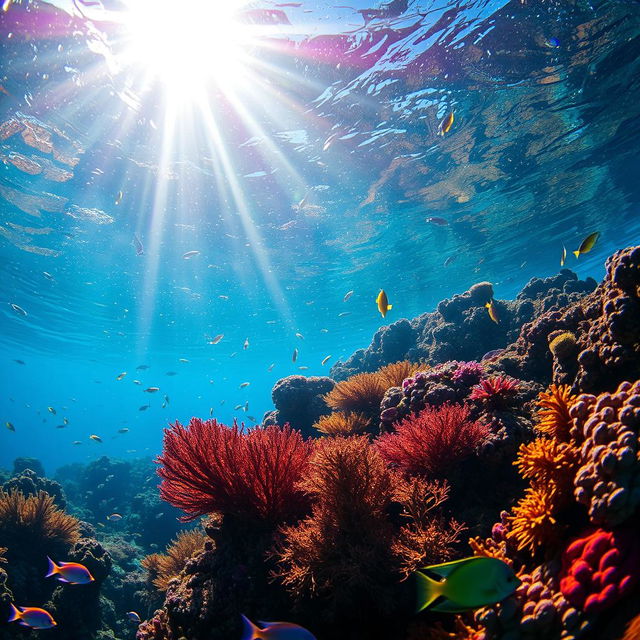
(389, 307)
(60, 579)
(577, 253)
(22, 623)
(428, 591)
(444, 569)
(249, 630)
(444, 605)
(52, 568)
(15, 613)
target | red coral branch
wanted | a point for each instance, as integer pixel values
(208, 467)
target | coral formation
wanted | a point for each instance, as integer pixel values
(343, 423)
(361, 393)
(433, 442)
(30, 484)
(208, 467)
(554, 418)
(495, 391)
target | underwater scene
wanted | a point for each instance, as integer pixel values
(320, 320)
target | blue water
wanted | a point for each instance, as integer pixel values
(310, 174)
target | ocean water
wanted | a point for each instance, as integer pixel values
(294, 147)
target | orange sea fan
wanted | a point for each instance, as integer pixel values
(632, 632)
(361, 393)
(163, 567)
(394, 374)
(342, 423)
(533, 521)
(548, 462)
(553, 412)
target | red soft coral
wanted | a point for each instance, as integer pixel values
(432, 442)
(208, 467)
(495, 390)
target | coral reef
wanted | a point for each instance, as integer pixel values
(343, 423)
(30, 484)
(299, 402)
(33, 464)
(208, 467)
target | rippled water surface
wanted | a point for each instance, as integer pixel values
(243, 175)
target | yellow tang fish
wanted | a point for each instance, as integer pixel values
(445, 124)
(587, 244)
(493, 311)
(383, 303)
(464, 584)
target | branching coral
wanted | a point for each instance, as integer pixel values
(343, 423)
(553, 412)
(362, 393)
(163, 567)
(533, 522)
(432, 442)
(208, 467)
(495, 391)
(32, 525)
(608, 481)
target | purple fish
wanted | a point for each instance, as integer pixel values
(31, 617)
(71, 572)
(274, 631)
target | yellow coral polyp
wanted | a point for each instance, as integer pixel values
(553, 412)
(532, 521)
(564, 345)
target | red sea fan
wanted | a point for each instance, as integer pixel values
(432, 442)
(208, 467)
(494, 389)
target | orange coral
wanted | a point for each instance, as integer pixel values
(490, 549)
(532, 521)
(394, 374)
(163, 567)
(547, 462)
(553, 412)
(632, 632)
(362, 392)
(33, 525)
(342, 423)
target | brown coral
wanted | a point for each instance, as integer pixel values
(553, 412)
(361, 393)
(342, 423)
(163, 567)
(533, 523)
(33, 525)
(395, 373)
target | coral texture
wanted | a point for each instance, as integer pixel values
(29, 483)
(343, 423)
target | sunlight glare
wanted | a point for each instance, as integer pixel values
(187, 44)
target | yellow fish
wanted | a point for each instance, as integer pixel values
(587, 244)
(383, 303)
(445, 124)
(493, 311)
(95, 438)
(465, 584)
(563, 259)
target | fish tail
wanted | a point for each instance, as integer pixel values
(249, 630)
(577, 253)
(428, 591)
(52, 568)
(389, 307)
(16, 614)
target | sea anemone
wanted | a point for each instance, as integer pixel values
(433, 441)
(342, 423)
(547, 462)
(533, 523)
(33, 526)
(553, 412)
(563, 345)
(496, 390)
(208, 467)
(163, 567)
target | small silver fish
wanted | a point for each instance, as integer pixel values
(246, 344)
(119, 197)
(18, 309)
(190, 254)
(325, 360)
(244, 384)
(347, 296)
(299, 336)
(270, 367)
(294, 357)
(216, 339)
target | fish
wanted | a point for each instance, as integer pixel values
(251, 418)
(136, 382)
(144, 407)
(347, 296)
(18, 309)
(587, 244)
(95, 438)
(137, 243)
(134, 617)
(270, 367)
(120, 376)
(490, 355)
(9, 426)
(48, 276)
(190, 254)
(294, 356)
(299, 336)
(244, 384)
(142, 367)
(303, 367)
(216, 339)
(450, 260)
(383, 303)
(76, 442)
(246, 406)
(342, 314)
(123, 430)
(329, 141)
(563, 258)
(60, 426)
(274, 631)
(70, 572)
(171, 373)
(114, 517)
(20, 362)
(183, 360)
(325, 360)
(493, 311)
(464, 584)
(324, 330)
(438, 221)
(445, 124)
(51, 410)
(65, 420)
(151, 389)
(166, 399)
(33, 617)
(246, 343)
(237, 407)
(119, 197)
(164, 405)
(210, 411)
